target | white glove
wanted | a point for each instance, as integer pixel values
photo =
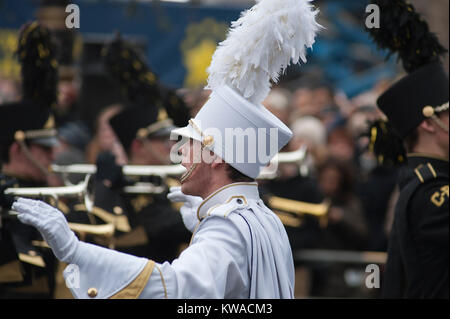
(52, 225)
(189, 210)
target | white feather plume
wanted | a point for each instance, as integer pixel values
(262, 44)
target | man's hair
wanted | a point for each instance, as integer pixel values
(411, 140)
(4, 153)
(237, 176)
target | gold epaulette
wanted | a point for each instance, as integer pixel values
(425, 172)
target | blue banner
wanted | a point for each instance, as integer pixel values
(181, 38)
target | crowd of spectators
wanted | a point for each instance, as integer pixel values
(338, 168)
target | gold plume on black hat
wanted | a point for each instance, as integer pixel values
(39, 71)
(139, 84)
(403, 31)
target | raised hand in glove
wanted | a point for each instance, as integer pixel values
(108, 172)
(189, 209)
(52, 225)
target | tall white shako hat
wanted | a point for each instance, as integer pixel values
(260, 45)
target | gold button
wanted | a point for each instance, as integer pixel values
(118, 210)
(428, 111)
(92, 292)
(19, 136)
(142, 133)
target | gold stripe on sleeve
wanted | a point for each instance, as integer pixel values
(163, 283)
(134, 289)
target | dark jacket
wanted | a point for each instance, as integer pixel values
(27, 270)
(417, 265)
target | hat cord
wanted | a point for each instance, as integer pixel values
(31, 158)
(439, 122)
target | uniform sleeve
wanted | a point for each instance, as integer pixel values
(215, 265)
(429, 224)
(429, 217)
(99, 273)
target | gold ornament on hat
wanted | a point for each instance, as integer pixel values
(142, 133)
(208, 141)
(428, 111)
(19, 136)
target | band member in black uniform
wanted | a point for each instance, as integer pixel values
(152, 227)
(27, 135)
(415, 135)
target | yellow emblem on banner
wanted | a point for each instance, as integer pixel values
(9, 66)
(198, 48)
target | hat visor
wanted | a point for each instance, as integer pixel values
(163, 132)
(46, 141)
(187, 132)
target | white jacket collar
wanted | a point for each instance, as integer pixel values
(243, 191)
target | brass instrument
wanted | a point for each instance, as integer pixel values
(128, 170)
(291, 212)
(73, 191)
(177, 170)
(167, 172)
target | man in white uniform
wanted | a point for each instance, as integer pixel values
(239, 248)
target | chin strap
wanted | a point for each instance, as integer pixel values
(188, 174)
(431, 112)
(440, 123)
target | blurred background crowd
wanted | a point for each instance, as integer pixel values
(327, 103)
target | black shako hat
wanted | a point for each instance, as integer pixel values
(31, 118)
(419, 95)
(140, 122)
(25, 121)
(407, 103)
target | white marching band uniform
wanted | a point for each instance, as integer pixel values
(239, 248)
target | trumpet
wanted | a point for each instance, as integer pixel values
(291, 212)
(73, 191)
(271, 171)
(128, 170)
(177, 170)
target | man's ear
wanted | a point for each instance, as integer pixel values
(135, 146)
(217, 162)
(427, 126)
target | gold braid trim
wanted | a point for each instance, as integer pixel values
(134, 289)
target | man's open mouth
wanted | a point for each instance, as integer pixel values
(188, 173)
